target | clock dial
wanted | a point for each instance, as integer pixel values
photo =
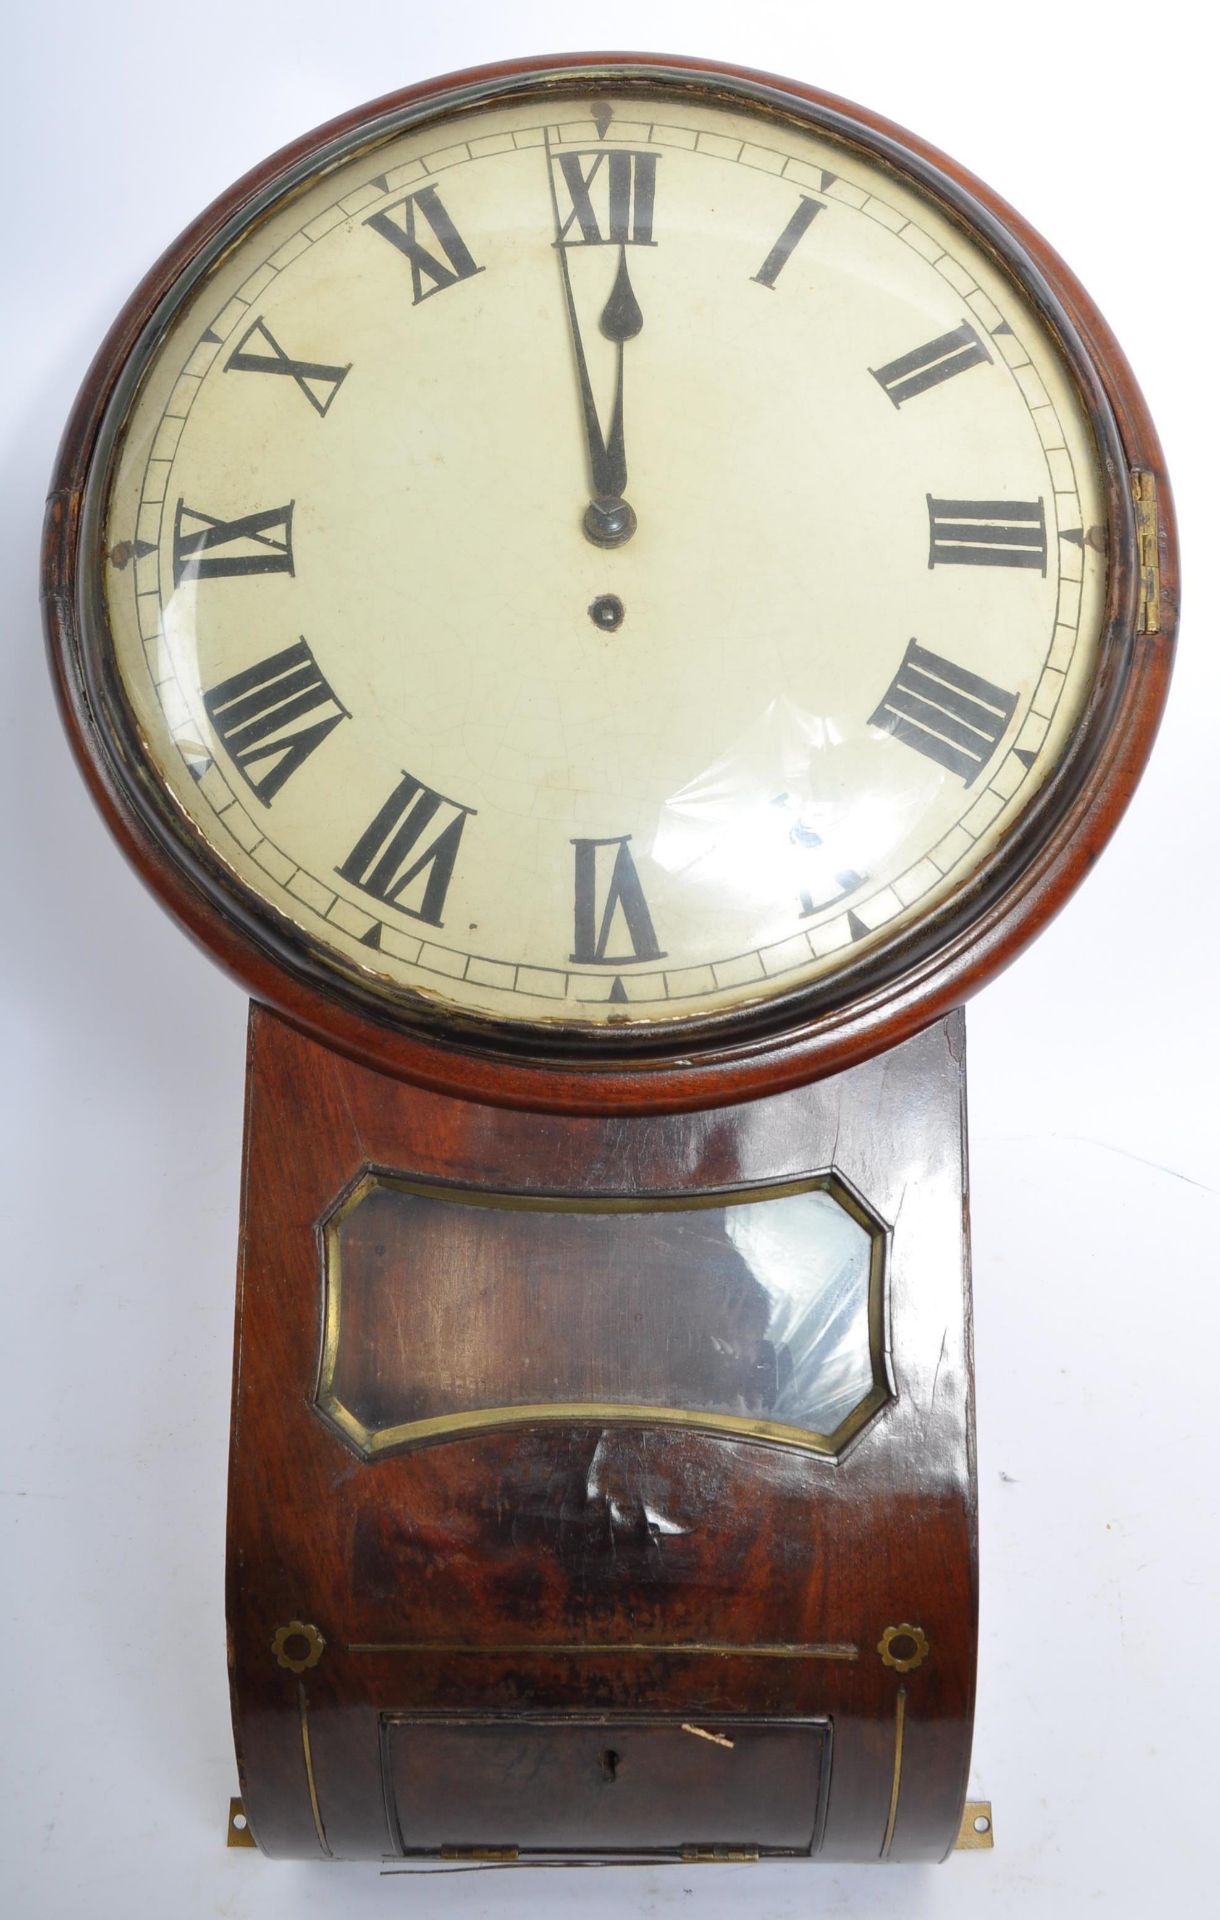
(603, 560)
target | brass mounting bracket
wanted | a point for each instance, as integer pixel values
(237, 1833)
(976, 1829)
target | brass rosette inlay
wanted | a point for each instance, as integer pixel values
(903, 1647)
(297, 1646)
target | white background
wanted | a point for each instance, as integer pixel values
(1093, 1068)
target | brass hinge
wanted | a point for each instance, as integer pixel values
(480, 1853)
(1147, 540)
(693, 1854)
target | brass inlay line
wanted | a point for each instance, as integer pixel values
(713, 1856)
(307, 1752)
(900, 1717)
(719, 1648)
(373, 1441)
(480, 1853)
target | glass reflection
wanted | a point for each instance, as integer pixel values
(446, 1313)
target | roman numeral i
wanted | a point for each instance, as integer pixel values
(945, 712)
(803, 216)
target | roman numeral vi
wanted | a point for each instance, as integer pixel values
(611, 907)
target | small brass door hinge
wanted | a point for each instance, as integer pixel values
(694, 1854)
(1147, 540)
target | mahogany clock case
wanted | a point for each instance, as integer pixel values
(634, 1624)
(864, 1007)
(465, 1623)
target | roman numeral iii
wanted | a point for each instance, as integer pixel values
(928, 366)
(255, 712)
(610, 907)
(610, 198)
(945, 712)
(986, 533)
(410, 849)
(208, 548)
(401, 224)
(318, 381)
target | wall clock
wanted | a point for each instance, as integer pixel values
(612, 594)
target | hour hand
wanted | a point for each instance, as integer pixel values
(621, 320)
(609, 520)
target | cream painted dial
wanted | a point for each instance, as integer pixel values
(611, 559)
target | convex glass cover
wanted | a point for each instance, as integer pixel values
(600, 559)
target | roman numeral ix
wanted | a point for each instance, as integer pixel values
(625, 185)
(611, 908)
(945, 712)
(208, 548)
(927, 366)
(411, 846)
(986, 533)
(400, 225)
(255, 712)
(318, 381)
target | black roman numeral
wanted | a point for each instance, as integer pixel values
(830, 887)
(802, 219)
(317, 381)
(929, 365)
(953, 716)
(986, 533)
(255, 711)
(610, 198)
(400, 850)
(622, 906)
(843, 884)
(400, 225)
(255, 543)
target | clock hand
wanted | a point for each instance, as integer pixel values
(609, 520)
(621, 320)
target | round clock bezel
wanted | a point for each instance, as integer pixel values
(802, 1033)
